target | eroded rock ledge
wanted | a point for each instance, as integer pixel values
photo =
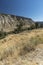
(11, 22)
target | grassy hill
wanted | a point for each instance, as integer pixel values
(23, 48)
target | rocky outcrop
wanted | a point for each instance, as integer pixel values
(11, 22)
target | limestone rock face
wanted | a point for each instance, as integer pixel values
(9, 22)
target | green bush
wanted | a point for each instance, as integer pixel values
(19, 26)
(2, 34)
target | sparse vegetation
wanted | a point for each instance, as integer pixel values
(26, 49)
(19, 27)
(19, 45)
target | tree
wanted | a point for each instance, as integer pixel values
(19, 26)
(36, 25)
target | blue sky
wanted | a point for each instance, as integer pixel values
(27, 8)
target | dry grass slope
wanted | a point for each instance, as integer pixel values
(15, 47)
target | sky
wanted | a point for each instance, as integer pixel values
(27, 8)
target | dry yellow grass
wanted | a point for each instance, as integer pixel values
(15, 45)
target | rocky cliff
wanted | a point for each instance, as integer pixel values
(11, 22)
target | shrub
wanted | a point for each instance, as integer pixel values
(2, 34)
(19, 27)
(36, 25)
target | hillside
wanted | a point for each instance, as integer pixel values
(20, 42)
(40, 24)
(11, 22)
(25, 48)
